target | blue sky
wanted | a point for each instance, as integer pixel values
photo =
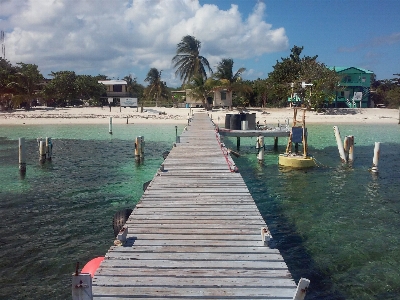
(121, 37)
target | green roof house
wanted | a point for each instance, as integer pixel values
(356, 83)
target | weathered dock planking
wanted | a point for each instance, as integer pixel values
(194, 234)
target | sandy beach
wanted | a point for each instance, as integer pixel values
(162, 115)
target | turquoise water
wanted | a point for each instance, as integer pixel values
(334, 224)
(61, 212)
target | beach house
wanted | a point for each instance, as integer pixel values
(222, 98)
(115, 90)
(355, 86)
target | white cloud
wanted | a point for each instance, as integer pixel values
(119, 37)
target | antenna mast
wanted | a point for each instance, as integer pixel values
(3, 45)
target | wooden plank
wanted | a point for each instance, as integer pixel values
(195, 249)
(198, 256)
(221, 237)
(191, 272)
(213, 264)
(258, 292)
(182, 282)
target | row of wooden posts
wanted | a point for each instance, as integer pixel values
(346, 150)
(45, 152)
(46, 148)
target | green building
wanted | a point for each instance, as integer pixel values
(356, 83)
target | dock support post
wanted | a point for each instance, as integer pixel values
(22, 155)
(346, 146)
(339, 144)
(139, 148)
(177, 138)
(49, 148)
(375, 160)
(351, 148)
(82, 286)
(110, 126)
(265, 235)
(260, 142)
(276, 143)
(238, 142)
(301, 289)
(42, 151)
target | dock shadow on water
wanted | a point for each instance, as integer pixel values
(334, 224)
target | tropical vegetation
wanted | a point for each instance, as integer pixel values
(22, 85)
(157, 88)
(188, 60)
(387, 92)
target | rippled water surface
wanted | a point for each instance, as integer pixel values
(334, 224)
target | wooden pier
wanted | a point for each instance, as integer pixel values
(195, 234)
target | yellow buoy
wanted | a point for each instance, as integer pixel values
(296, 161)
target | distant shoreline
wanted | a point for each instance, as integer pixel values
(162, 115)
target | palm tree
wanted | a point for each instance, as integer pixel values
(188, 60)
(225, 71)
(228, 80)
(200, 89)
(133, 87)
(156, 89)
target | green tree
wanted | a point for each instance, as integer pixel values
(29, 81)
(324, 84)
(157, 89)
(88, 88)
(7, 77)
(134, 88)
(296, 69)
(232, 82)
(188, 60)
(387, 92)
(261, 91)
(62, 89)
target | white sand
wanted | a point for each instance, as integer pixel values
(162, 115)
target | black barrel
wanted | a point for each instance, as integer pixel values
(235, 123)
(251, 119)
(228, 121)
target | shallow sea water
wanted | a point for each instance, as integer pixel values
(334, 224)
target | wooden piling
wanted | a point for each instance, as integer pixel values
(42, 151)
(177, 138)
(339, 144)
(49, 148)
(110, 126)
(22, 155)
(260, 142)
(301, 289)
(139, 148)
(238, 142)
(346, 147)
(81, 286)
(276, 143)
(351, 148)
(375, 160)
